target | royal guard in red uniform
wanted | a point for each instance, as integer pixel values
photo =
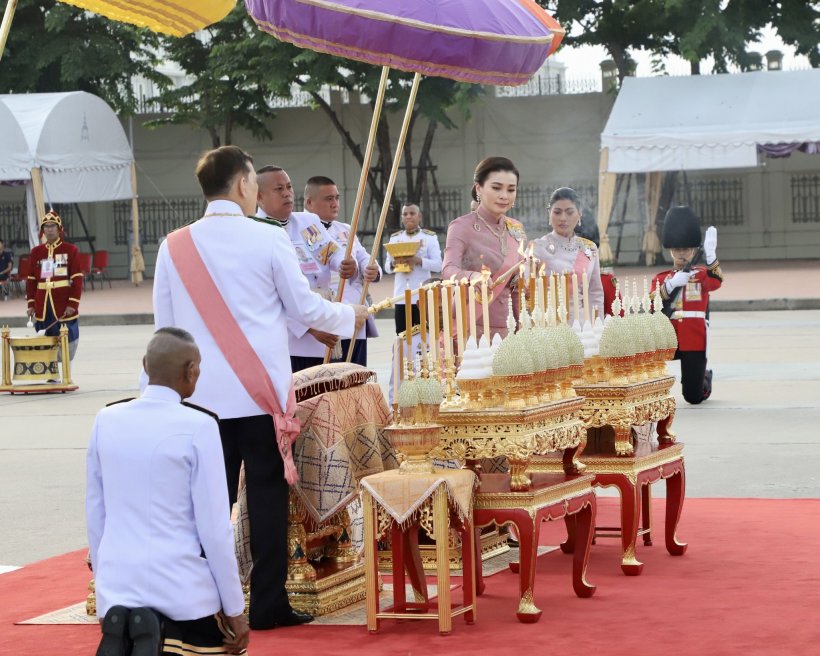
(55, 282)
(685, 292)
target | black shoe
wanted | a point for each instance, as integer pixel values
(146, 632)
(707, 384)
(293, 618)
(115, 632)
(512, 542)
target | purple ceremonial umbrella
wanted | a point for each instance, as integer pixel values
(483, 41)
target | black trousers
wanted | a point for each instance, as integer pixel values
(252, 440)
(401, 319)
(693, 375)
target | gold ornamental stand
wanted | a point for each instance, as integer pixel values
(35, 363)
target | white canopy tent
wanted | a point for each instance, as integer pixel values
(67, 148)
(702, 122)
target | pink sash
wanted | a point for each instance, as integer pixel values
(236, 348)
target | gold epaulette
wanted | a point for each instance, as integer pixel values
(193, 406)
(396, 234)
(130, 398)
(428, 232)
(587, 242)
(415, 330)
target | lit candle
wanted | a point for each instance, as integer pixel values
(485, 305)
(542, 282)
(431, 319)
(408, 321)
(576, 309)
(472, 311)
(531, 301)
(447, 311)
(585, 282)
(461, 305)
(521, 287)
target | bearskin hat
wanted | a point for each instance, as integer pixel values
(681, 228)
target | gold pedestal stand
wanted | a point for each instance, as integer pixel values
(35, 359)
(324, 571)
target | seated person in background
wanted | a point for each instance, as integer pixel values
(160, 537)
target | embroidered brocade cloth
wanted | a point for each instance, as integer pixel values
(341, 442)
(402, 495)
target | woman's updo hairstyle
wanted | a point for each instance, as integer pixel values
(565, 193)
(491, 165)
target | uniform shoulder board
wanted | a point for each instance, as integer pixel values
(193, 406)
(396, 234)
(588, 243)
(108, 405)
(428, 232)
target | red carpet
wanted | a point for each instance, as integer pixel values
(749, 584)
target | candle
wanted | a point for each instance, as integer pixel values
(521, 287)
(396, 369)
(542, 281)
(531, 302)
(472, 311)
(460, 302)
(436, 311)
(431, 319)
(553, 298)
(408, 321)
(576, 310)
(485, 308)
(585, 283)
(447, 311)
(423, 315)
(565, 293)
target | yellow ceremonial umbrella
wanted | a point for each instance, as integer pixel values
(173, 17)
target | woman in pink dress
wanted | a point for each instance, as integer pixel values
(487, 237)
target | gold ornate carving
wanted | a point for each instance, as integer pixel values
(526, 606)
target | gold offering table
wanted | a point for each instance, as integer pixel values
(400, 503)
(633, 475)
(550, 497)
(515, 434)
(627, 405)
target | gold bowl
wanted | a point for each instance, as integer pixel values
(402, 249)
(414, 443)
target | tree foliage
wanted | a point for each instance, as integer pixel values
(56, 47)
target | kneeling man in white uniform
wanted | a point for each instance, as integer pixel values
(161, 541)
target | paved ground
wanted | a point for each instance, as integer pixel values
(756, 437)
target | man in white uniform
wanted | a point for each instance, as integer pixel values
(156, 501)
(258, 281)
(322, 198)
(425, 263)
(321, 259)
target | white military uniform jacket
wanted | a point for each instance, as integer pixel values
(430, 254)
(256, 270)
(319, 259)
(340, 232)
(156, 498)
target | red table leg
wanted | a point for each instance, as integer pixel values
(413, 565)
(527, 611)
(630, 509)
(568, 546)
(468, 571)
(675, 492)
(646, 514)
(584, 524)
(477, 566)
(397, 546)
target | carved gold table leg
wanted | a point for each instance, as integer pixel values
(520, 480)
(571, 457)
(343, 550)
(665, 433)
(623, 439)
(299, 569)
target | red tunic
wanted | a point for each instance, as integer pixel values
(689, 315)
(608, 283)
(60, 290)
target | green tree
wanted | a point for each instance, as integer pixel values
(229, 85)
(55, 47)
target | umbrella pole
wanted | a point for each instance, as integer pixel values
(394, 172)
(368, 156)
(5, 27)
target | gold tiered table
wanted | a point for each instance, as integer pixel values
(515, 434)
(631, 466)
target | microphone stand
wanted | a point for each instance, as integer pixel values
(669, 303)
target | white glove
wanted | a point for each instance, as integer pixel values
(710, 244)
(678, 280)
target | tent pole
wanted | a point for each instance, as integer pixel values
(37, 188)
(137, 263)
(623, 216)
(388, 192)
(5, 27)
(368, 156)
